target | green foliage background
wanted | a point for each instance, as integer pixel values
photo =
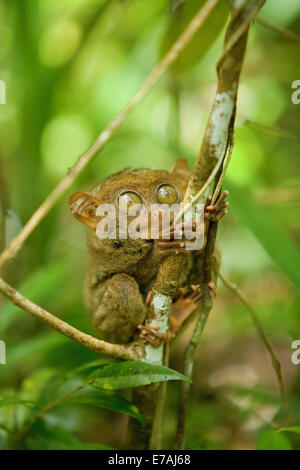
(70, 66)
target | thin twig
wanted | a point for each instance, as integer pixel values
(289, 35)
(132, 351)
(275, 362)
(194, 199)
(176, 49)
(276, 132)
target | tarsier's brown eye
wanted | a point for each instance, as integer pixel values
(130, 201)
(167, 194)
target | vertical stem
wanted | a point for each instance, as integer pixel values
(191, 347)
(157, 428)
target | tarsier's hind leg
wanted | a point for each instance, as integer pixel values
(120, 309)
(185, 304)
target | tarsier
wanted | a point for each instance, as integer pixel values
(121, 272)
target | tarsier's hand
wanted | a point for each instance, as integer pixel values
(172, 240)
(216, 211)
(168, 244)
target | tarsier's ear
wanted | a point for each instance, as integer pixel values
(83, 207)
(180, 174)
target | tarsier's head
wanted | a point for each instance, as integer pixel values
(139, 189)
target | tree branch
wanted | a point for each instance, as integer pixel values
(132, 351)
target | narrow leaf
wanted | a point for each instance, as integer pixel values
(132, 374)
(273, 440)
(109, 400)
(90, 365)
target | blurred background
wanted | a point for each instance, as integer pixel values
(69, 67)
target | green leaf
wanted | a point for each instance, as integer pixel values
(90, 365)
(8, 400)
(132, 374)
(295, 429)
(109, 400)
(268, 230)
(273, 440)
(202, 40)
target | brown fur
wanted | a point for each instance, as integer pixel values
(121, 272)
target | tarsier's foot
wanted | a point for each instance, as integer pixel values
(186, 303)
(151, 335)
(216, 211)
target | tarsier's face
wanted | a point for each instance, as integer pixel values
(137, 190)
(132, 191)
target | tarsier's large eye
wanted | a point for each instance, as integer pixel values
(167, 194)
(130, 201)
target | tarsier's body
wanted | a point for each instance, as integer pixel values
(120, 273)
